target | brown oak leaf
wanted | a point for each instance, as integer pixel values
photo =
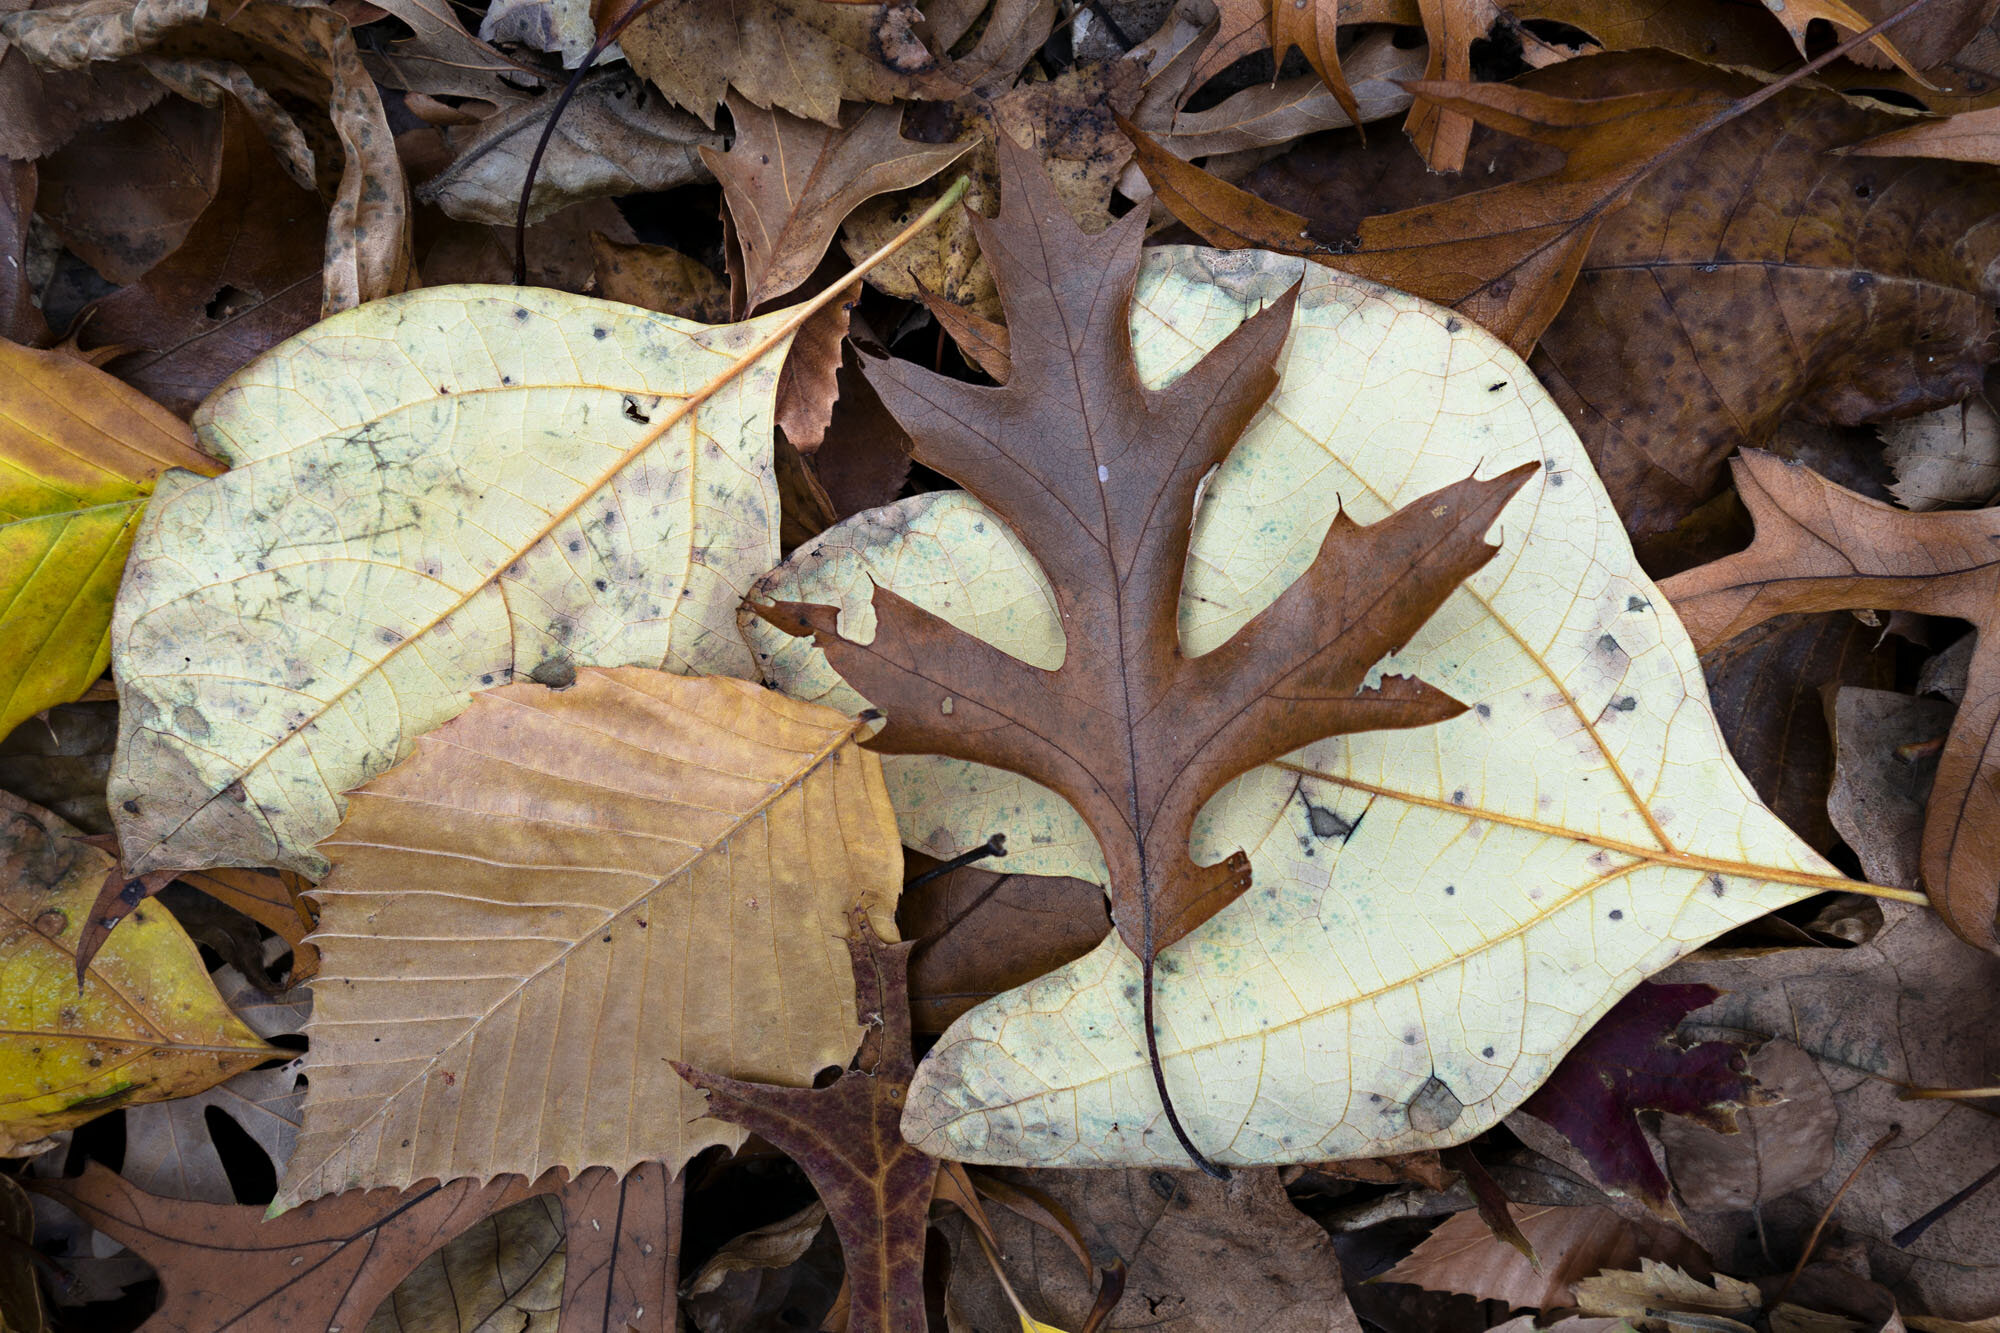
(1098, 476)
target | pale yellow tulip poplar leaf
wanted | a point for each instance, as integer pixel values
(79, 452)
(146, 1025)
(1436, 915)
(431, 494)
(561, 892)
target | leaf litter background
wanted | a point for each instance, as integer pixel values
(1785, 1131)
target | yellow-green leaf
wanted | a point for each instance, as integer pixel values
(1436, 914)
(431, 494)
(147, 1024)
(79, 452)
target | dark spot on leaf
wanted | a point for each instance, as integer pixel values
(600, 334)
(599, 584)
(1625, 703)
(1453, 324)
(1488, 1052)
(1484, 710)
(558, 673)
(1617, 915)
(1637, 604)
(632, 412)
(130, 807)
(1496, 386)
(1326, 824)
(1451, 890)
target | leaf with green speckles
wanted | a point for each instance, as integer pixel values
(1435, 915)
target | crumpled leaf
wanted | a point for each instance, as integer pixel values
(562, 26)
(1821, 547)
(802, 56)
(123, 195)
(454, 523)
(877, 1188)
(144, 1024)
(40, 111)
(79, 453)
(1134, 735)
(790, 183)
(1886, 759)
(367, 238)
(510, 914)
(1590, 696)
(225, 1268)
(1464, 1255)
(246, 277)
(1629, 1063)
(1945, 458)
(616, 136)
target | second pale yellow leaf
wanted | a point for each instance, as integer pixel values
(561, 892)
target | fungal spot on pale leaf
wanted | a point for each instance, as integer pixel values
(1513, 809)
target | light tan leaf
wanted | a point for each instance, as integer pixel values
(659, 278)
(562, 891)
(1465, 1256)
(433, 494)
(146, 1023)
(1419, 899)
(1945, 458)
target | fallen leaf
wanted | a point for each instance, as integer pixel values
(20, 317)
(845, 1137)
(1720, 32)
(79, 453)
(1441, 132)
(1969, 136)
(1885, 761)
(21, 1304)
(616, 136)
(1146, 735)
(1799, 15)
(801, 56)
(1660, 1287)
(505, 1270)
(274, 899)
(559, 249)
(1629, 1063)
(144, 1024)
(1587, 720)
(441, 58)
(1822, 548)
(622, 1250)
(1911, 1008)
(1946, 458)
(246, 278)
(1199, 1254)
(789, 184)
(659, 278)
(1779, 1147)
(367, 238)
(1765, 689)
(1250, 26)
(485, 502)
(123, 195)
(58, 760)
(766, 1276)
(40, 110)
(1465, 1256)
(808, 383)
(863, 458)
(979, 932)
(227, 1269)
(760, 816)
(560, 26)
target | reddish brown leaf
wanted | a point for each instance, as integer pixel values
(864, 458)
(623, 1242)
(225, 1269)
(1573, 1243)
(123, 196)
(20, 320)
(1820, 547)
(1249, 26)
(1098, 476)
(1630, 1063)
(848, 1139)
(806, 382)
(246, 278)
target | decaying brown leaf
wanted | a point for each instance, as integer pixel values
(659, 278)
(1945, 459)
(1134, 735)
(1820, 547)
(510, 911)
(1465, 1256)
(1775, 1149)
(123, 195)
(1886, 759)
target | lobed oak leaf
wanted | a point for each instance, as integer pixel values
(1097, 475)
(847, 1137)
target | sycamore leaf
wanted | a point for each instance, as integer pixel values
(876, 1187)
(225, 1268)
(1821, 547)
(790, 183)
(432, 494)
(1438, 914)
(79, 453)
(146, 1023)
(511, 913)
(1630, 1063)
(1097, 476)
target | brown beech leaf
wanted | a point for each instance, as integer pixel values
(790, 183)
(848, 1139)
(1630, 1063)
(224, 1268)
(1821, 547)
(1465, 1256)
(246, 277)
(1097, 475)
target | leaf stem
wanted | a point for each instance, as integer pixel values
(1160, 1076)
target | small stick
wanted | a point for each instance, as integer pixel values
(1812, 1241)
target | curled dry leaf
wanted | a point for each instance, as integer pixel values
(454, 524)
(1586, 778)
(79, 454)
(144, 1025)
(1821, 547)
(616, 136)
(1945, 458)
(1969, 136)
(790, 183)
(453, 994)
